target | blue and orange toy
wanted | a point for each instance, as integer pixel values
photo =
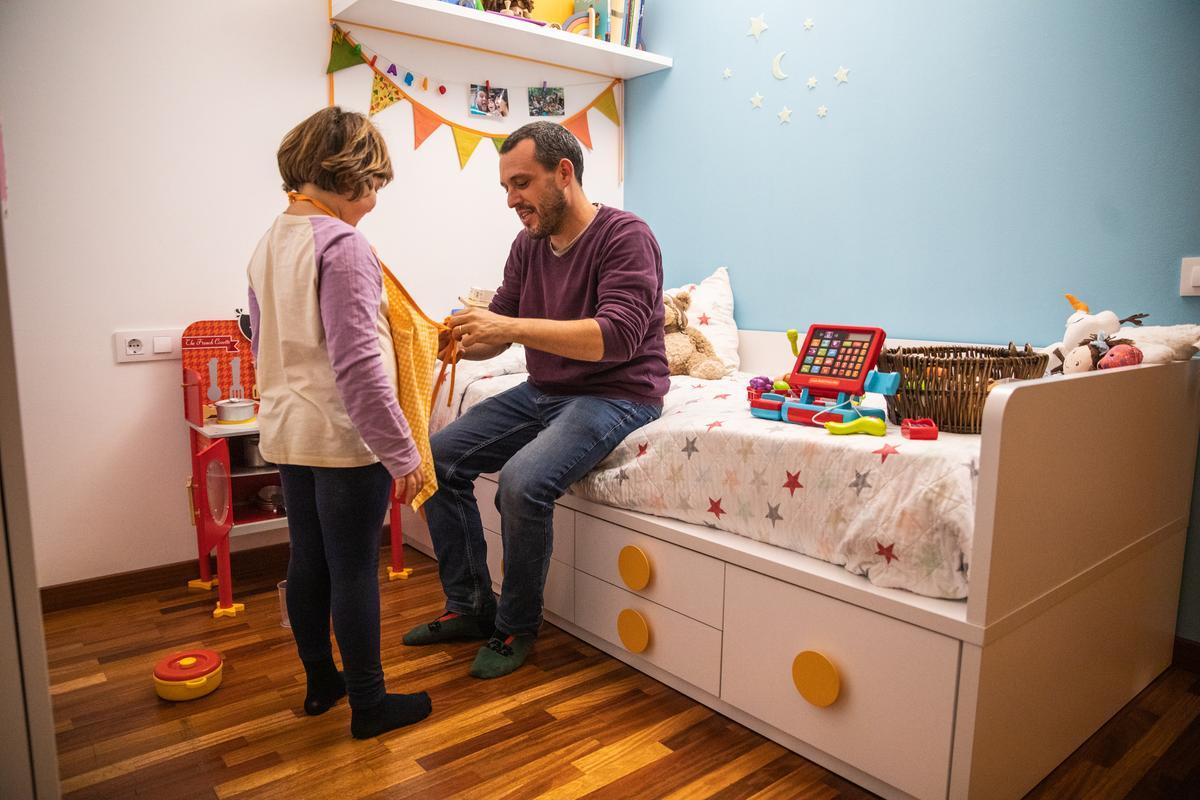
(834, 369)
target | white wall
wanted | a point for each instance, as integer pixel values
(140, 139)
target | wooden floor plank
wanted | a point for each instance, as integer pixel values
(573, 722)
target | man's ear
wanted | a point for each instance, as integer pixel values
(566, 171)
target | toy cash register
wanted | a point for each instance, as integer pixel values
(834, 368)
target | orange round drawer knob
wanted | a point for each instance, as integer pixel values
(816, 678)
(633, 630)
(634, 567)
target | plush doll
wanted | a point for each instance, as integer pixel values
(1101, 352)
(688, 351)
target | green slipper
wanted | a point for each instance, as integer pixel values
(451, 626)
(500, 656)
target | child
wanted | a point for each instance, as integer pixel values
(329, 415)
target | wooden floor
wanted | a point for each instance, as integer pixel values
(571, 723)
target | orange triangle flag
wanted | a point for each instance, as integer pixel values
(578, 125)
(425, 122)
(464, 142)
(606, 104)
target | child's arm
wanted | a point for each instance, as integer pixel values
(350, 290)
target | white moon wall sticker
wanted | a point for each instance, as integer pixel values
(776, 69)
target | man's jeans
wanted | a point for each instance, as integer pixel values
(541, 444)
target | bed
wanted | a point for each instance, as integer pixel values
(1051, 603)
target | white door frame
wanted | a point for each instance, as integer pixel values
(28, 756)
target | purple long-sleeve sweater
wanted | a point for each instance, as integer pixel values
(613, 274)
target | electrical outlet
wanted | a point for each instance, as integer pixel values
(1189, 277)
(129, 346)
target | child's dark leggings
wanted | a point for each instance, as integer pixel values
(334, 520)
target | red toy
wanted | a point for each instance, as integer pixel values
(923, 428)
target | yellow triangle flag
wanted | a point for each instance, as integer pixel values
(464, 142)
(383, 94)
(606, 104)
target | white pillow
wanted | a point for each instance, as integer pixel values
(711, 313)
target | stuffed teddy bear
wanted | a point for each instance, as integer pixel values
(689, 352)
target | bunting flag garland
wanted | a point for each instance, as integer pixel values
(342, 54)
(606, 104)
(578, 125)
(383, 94)
(425, 122)
(464, 141)
(388, 88)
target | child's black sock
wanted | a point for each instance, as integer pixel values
(325, 687)
(396, 711)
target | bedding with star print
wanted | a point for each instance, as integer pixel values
(897, 511)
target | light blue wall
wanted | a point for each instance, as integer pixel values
(984, 158)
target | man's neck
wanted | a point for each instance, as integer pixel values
(580, 214)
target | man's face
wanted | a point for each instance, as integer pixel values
(533, 191)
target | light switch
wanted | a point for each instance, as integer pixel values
(162, 344)
(1189, 277)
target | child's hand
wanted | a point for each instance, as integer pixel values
(410, 485)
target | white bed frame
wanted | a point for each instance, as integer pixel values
(1081, 517)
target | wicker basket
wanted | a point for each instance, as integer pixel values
(950, 384)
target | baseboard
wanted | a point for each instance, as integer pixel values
(247, 566)
(1186, 655)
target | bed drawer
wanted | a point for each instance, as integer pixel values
(559, 596)
(671, 576)
(889, 685)
(669, 640)
(564, 520)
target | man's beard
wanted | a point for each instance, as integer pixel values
(550, 214)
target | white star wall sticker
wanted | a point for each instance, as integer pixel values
(728, 73)
(785, 115)
(842, 75)
(756, 100)
(822, 111)
(808, 24)
(811, 82)
(757, 26)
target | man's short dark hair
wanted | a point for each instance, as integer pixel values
(551, 144)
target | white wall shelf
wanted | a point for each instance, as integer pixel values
(447, 22)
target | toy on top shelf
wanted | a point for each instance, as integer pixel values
(834, 368)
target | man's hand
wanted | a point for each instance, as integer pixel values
(478, 327)
(409, 486)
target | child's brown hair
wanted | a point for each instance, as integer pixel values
(338, 151)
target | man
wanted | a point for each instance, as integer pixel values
(582, 291)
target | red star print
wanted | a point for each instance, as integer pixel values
(703, 320)
(886, 552)
(720, 397)
(885, 451)
(714, 424)
(793, 482)
(642, 448)
(714, 507)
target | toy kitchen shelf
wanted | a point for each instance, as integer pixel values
(227, 469)
(434, 19)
